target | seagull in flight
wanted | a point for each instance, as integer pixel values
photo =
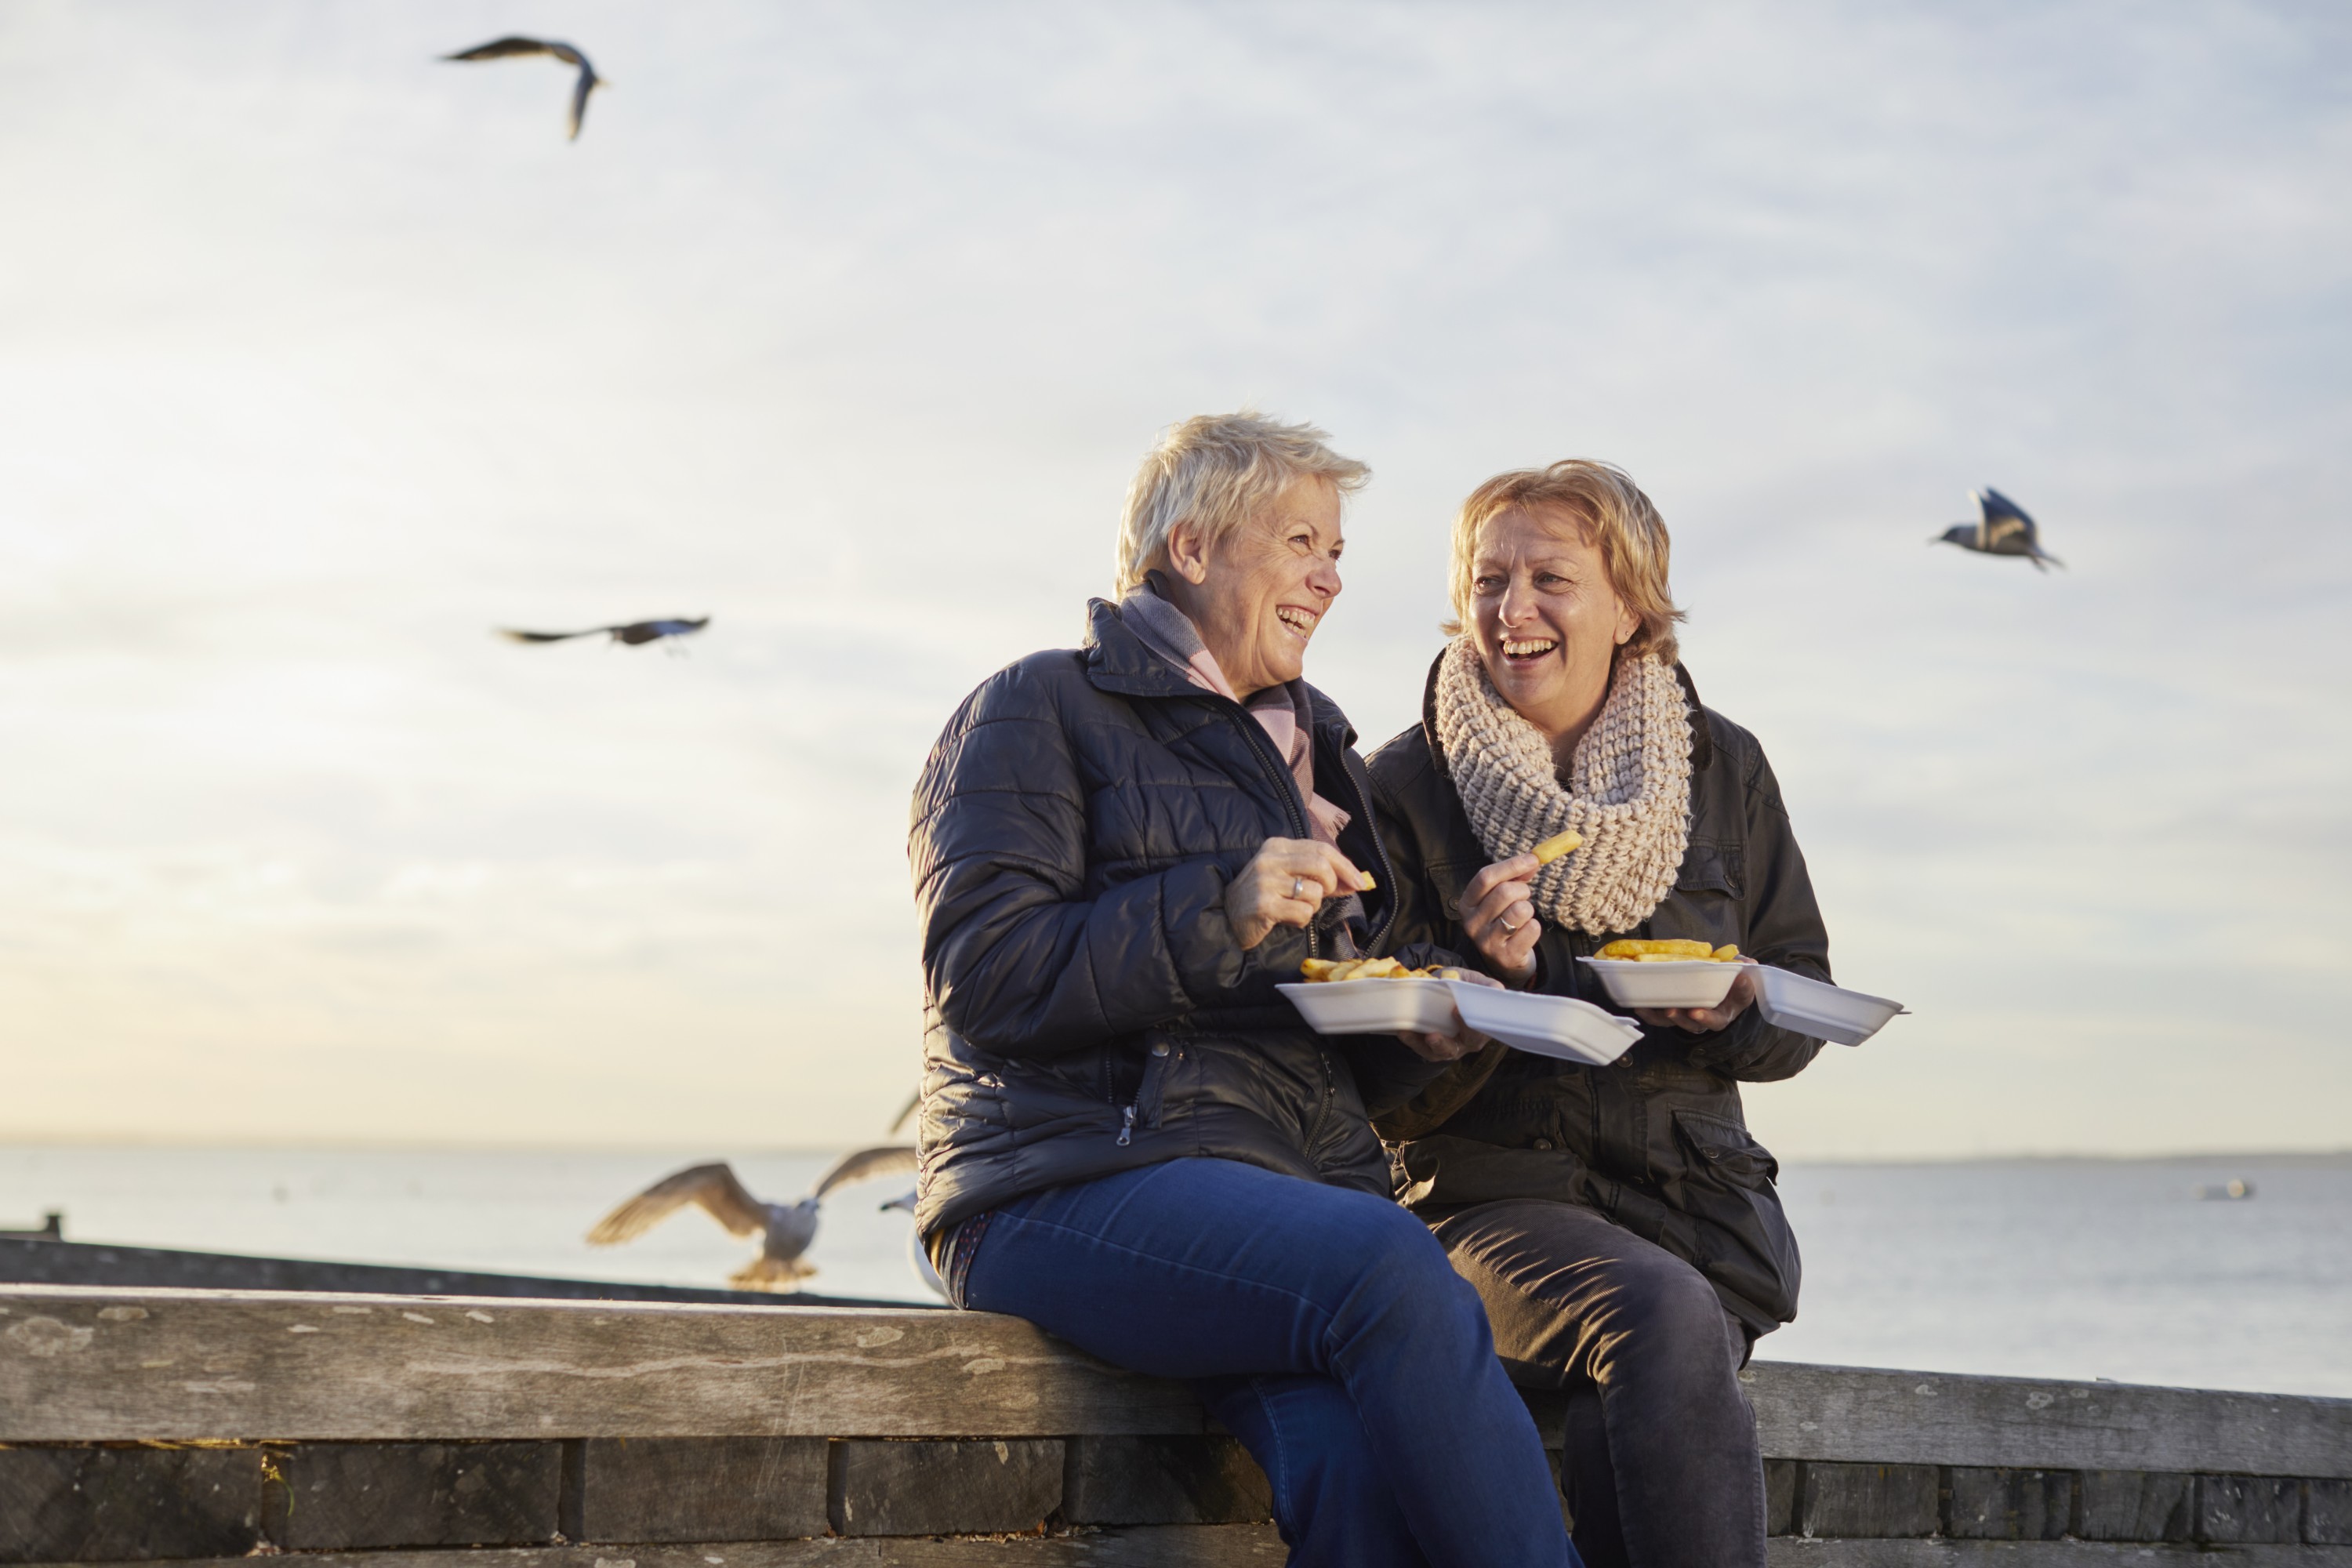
(2003, 529)
(635, 632)
(503, 49)
(785, 1229)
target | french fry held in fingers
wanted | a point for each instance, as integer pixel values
(1557, 844)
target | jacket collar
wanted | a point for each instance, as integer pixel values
(1118, 662)
(1702, 741)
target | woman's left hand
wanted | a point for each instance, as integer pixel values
(1464, 1041)
(1705, 1020)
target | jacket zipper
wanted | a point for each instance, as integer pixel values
(1296, 811)
(1286, 786)
(1379, 845)
(1330, 1092)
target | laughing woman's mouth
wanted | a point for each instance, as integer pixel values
(1298, 620)
(1526, 650)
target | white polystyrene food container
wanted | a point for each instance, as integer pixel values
(1560, 1027)
(1816, 1007)
(1684, 983)
(1374, 1007)
(1557, 1026)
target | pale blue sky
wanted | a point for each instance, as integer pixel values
(846, 324)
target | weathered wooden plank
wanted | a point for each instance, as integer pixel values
(1149, 1546)
(87, 1364)
(881, 1487)
(358, 1496)
(1861, 1415)
(61, 1504)
(2249, 1508)
(25, 1260)
(2327, 1513)
(1796, 1551)
(1257, 1546)
(1163, 1480)
(698, 1488)
(1780, 1497)
(2135, 1505)
(107, 1364)
(2008, 1505)
(1842, 1499)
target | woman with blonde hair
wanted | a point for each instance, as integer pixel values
(1128, 1136)
(1619, 1222)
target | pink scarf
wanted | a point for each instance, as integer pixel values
(1281, 710)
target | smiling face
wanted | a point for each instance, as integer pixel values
(1257, 593)
(1546, 621)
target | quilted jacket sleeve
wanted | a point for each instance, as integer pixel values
(1017, 958)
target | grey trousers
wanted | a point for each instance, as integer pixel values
(1673, 1478)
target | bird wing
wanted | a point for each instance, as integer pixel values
(581, 88)
(499, 49)
(906, 1109)
(637, 632)
(865, 1165)
(546, 636)
(713, 1187)
(2003, 518)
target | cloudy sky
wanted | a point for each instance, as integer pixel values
(845, 325)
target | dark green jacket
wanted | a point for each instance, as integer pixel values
(1657, 1140)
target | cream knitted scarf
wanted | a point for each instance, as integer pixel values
(1627, 789)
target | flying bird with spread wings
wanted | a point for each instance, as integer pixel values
(510, 47)
(2001, 529)
(785, 1229)
(633, 633)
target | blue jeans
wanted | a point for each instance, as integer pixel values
(1323, 1327)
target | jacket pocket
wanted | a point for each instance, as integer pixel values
(1744, 1241)
(1160, 1055)
(1706, 902)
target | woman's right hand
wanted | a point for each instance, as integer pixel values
(1499, 916)
(1285, 884)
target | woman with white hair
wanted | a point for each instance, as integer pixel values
(1619, 1222)
(1129, 1137)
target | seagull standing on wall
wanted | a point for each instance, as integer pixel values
(2001, 529)
(785, 1229)
(505, 48)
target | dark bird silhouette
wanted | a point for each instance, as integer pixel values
(633, 633)
(784, 1230)
(505, 48)
(2004, 529)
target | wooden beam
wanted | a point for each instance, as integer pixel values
(1143, 1546)
(1795, 1552)
(117, 1364)
(1257, 1546)
(103, 1365)
(1868, 1415)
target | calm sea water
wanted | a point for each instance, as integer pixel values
(2060, 1269)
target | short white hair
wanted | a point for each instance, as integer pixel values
(1219, 470)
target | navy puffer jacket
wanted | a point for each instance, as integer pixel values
(1087, 1007)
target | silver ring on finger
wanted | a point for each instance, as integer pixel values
(1298, 887)
(1507, 927)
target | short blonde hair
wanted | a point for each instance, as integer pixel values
(1219, 470)
(1612, 513)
